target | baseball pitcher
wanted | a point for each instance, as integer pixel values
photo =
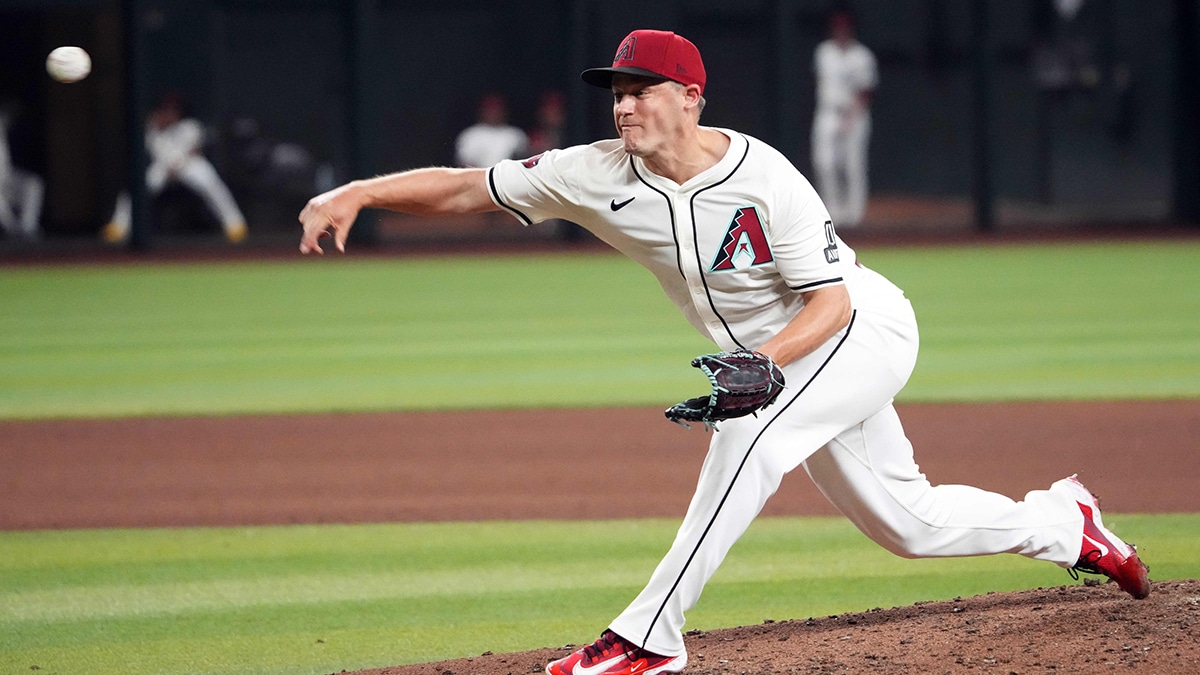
(812, 344)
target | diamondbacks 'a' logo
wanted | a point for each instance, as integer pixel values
(532, 161)
(745, 244)
(831, 249)
(625, 51)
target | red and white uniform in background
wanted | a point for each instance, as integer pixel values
(842, 127)
(734, 248)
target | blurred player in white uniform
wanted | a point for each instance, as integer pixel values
(846, 78)
(743, 245)
(491, 139)
(176, 145)
(21, 191)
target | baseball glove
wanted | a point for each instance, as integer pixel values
(743, 382)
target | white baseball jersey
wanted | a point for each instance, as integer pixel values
(483, 145)
(734, 248)
(843, 73)
(175, 144)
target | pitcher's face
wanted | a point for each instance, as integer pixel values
(649, 114)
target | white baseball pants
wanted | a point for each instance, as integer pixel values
(839, 156)
(21, 197)
(836, 418)
(198, 174)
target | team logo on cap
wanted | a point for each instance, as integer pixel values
(745, 243)
(625, 51)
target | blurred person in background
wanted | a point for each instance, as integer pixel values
(551, 123)
(846, 79)
(21, 191)
(491, 139)
(549, 134)
(176, 146)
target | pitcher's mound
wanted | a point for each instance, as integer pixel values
(1095, 628)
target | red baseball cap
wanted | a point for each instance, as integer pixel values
(652, 53)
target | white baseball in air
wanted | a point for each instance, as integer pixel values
(68, 64)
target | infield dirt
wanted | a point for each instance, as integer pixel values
(1140, 457)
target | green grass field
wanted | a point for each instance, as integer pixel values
(1087, 321)
(1081, 321)
(309, 599)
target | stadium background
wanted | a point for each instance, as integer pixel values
(989, 114)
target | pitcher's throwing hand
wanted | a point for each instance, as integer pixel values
(330, 214)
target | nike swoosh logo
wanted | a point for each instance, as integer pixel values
(1103, 549)
(639, 667)
(597, 668)
(615, 206)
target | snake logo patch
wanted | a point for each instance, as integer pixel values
(745, 243)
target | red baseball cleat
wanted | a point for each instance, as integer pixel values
(613, 655)
(1102, 551)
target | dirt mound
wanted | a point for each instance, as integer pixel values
(1094, 628)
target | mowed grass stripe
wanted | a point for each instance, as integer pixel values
(346, 335)
(1062, 321)
(309, 599)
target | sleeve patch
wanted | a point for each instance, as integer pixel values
(831, 250)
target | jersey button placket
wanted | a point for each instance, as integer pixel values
(687, 248)
(694, 266)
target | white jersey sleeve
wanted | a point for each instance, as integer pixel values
(808, 254)
(581, 184)
(539, 188)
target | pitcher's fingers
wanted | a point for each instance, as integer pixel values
(310, 240)
(339, 238)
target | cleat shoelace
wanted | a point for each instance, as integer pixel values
(1087, 563)
(604, 646)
